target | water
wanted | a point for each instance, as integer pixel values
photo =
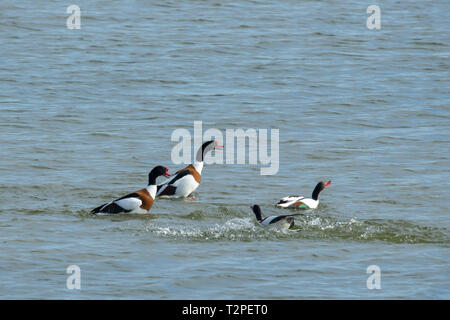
(85, 114)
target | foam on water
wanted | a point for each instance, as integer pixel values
(309, 226)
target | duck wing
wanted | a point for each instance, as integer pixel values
(288, 201)
(125, 204)
(285, 220)
(169, 187)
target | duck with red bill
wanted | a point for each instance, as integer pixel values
(140, 201)
(187, 180)
(302, 202)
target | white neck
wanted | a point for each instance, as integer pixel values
(198, 165)
(152, 190)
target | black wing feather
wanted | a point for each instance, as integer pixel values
(111, 208)
(179, 175)
(114, 207)
(288, 218)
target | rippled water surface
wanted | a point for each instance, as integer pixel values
(85, 114)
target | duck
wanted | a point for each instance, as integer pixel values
(303, 202)
(140, 201)
(285, 221)
(187, 180)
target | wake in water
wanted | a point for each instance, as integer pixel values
(204, 225)
(223, 223)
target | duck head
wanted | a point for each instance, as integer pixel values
(319, 187)
(207, 147)
(156, 172)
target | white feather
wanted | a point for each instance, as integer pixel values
(267, 221)
(311, 203)
(129, 203)
(289, 201)
(152, 190)
(198, 166)
(184, 186)
(281, 223)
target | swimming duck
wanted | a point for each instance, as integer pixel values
(186, 180)
(284, 221)
(302, 202)
(139, 201)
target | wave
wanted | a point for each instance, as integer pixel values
(306, 227)
(223, 223)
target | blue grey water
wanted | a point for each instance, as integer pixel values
(85, 114)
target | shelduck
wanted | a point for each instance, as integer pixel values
(302, 202)
(139, 201)
(284, 221)
(186, 180)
